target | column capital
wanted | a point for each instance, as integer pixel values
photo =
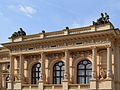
(93, 46)
(42, 52)
(108, 46)
(66, 50)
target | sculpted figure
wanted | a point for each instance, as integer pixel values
(102, 74)
(102, 20)
(107, 18)
(19, 33)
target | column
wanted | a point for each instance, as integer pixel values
(94, 64)
(11, 68)
(109, 62)
(41, 81)
(21, 67)
(93, 82)
(11, 74)
(42, 65)
(65, 81)
(66, 65)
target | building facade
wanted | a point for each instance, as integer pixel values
(85, 58)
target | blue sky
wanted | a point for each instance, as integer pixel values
(52, 15)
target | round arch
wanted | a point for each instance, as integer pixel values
(30, 66)
(51, 65)
(84, 72)
(75, 63)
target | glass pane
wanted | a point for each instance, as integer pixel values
(36, 74)
(62, 73)
(89, 66)
(81, 66)
(60, 64)
(36, 69)
(57, 68)
(82, 80)
(81, 72)
(57, 73)
(88, 72)
(85, 62)
(38, 65)
(58, 81)
(88, 80)
(62, 68)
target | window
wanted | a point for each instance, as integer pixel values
(84, 72)
(36, 73)
(58, 70)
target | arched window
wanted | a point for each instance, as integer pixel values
(36, 73)
(58, 70)
(84, 72)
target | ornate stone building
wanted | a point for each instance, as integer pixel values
(84, 58)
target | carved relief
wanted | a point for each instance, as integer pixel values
(33, 57)
(55, 56)
(81, 54)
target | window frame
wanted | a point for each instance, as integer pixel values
(60, 77)
(84, 70)
(35, 73)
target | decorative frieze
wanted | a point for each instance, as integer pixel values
(55, 56)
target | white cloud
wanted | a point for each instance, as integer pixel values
(29, 11)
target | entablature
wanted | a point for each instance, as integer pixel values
(63, 46)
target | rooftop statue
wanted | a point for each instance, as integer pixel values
(43, 31)
(102, 20)
(19, 33)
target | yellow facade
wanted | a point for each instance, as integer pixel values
(84, 58)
